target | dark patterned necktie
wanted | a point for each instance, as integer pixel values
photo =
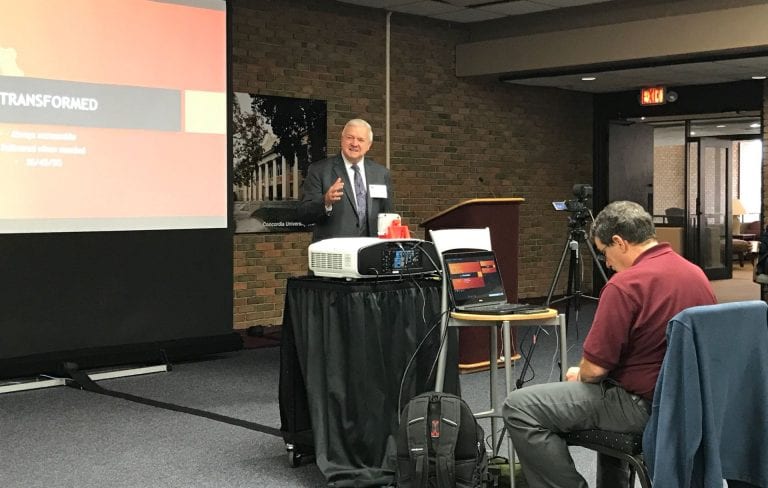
(360, 195)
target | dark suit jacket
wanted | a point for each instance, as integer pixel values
(342, 221)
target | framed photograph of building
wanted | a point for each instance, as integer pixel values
(274, 140)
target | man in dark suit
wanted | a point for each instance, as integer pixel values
(344, 194)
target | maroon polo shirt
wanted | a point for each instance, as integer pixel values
(628, 334)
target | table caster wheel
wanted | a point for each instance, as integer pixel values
(294, 457)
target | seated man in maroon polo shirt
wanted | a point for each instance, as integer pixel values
(613, 385)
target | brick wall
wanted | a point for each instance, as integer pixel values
(446, 132)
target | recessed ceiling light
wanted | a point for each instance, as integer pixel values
(721, 126)
(755, 125)
(760, 77)
(588, 78)
(693, 133)
(642, 118)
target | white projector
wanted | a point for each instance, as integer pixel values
(371, 257)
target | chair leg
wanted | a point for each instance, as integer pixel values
(638, 466)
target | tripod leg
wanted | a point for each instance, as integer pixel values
(577, 266)
(577, 282)
(527, 357)
(573, 279)
(557, 273)
(597, 261)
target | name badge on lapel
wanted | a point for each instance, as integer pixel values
(378, 191)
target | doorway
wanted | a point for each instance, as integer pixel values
(686, 172)
(709, 226)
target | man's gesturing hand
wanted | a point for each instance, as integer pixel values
(334, 193)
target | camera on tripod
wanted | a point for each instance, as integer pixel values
(580, 216)
(578, 206)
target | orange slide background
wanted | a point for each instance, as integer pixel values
(461, 268)
(138, 43)
(474, 281)
(478, 268)
(114, 179)
(467, 283)
(125, 173)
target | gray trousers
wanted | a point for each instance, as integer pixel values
(535, 415)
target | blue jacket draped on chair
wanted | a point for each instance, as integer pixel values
(709, 418)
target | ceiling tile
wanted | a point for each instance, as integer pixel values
(427, 8)
(468, 15)
(567, 3)
(754, 66)
(636, 78)
(466, 3)
(517, 8)
(378, 3)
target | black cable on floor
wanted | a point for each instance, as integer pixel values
(84, 382)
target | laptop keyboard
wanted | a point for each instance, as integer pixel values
(507, 307)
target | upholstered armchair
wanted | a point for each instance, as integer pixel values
(741, 247)
(750, 228)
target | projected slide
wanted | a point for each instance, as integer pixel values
(113, 115)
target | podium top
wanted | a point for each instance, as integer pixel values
(473, 201)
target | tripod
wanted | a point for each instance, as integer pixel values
(576, 236)
(573, 295)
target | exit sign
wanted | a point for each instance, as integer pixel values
(654, 95)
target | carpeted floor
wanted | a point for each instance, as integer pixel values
(740, 287)
(65, 437)
(260, 336)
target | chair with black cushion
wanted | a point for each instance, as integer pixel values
(625, 446)
(675, 216)
(722, 407)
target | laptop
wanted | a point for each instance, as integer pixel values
(475, 286)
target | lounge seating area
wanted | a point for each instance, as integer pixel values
(741, 246)
(741, 250)
(750, 228)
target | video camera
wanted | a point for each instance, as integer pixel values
(582, 192)
(578, 206)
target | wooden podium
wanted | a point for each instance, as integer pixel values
(502, 217)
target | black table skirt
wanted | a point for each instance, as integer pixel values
(345, 346)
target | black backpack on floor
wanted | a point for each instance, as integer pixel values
(440, 444)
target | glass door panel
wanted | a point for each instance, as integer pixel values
(712, 207)
(692, 188)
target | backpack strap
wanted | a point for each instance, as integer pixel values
(445, 447)
(418, 431)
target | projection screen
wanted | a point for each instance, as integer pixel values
(115, 244)
(113, 115)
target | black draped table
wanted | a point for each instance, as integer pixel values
(345, 346)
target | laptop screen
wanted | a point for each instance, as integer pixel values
(473, 277)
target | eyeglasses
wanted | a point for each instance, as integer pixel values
(602, 251)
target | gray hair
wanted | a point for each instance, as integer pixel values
(360, 123)
(626, 219)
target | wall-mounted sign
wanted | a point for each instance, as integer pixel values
(654, 95)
